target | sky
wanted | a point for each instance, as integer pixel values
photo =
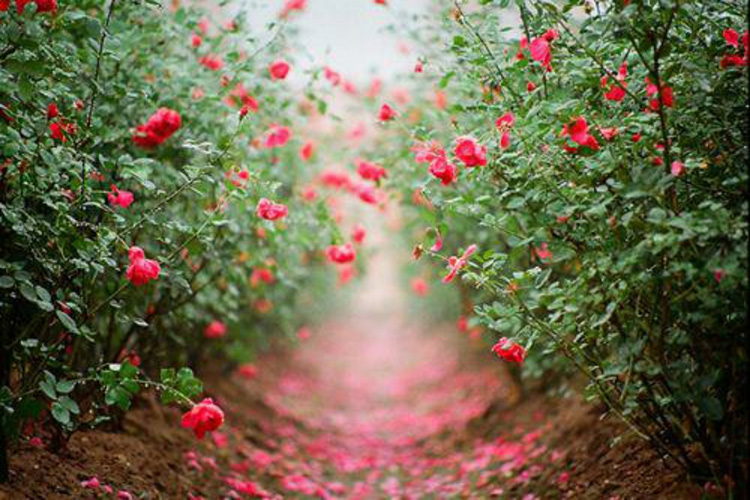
(348, 35)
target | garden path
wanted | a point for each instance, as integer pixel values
(379, 407)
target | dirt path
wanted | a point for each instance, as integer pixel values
(374, 390)
(379, 406)
(375, 404)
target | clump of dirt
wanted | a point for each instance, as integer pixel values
(145, 458)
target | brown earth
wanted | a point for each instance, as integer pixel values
(147, 456)
(370, 401)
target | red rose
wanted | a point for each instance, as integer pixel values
(203, 417)
(279, 69)
(141, 270)
(269, 210)
(341, 254)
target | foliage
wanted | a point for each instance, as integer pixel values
(71, 321)
(620, 253)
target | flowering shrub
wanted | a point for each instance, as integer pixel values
(594, 201)
(136, 144)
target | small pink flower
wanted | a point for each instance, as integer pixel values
(358, 234)
(159, 127)
(269, 210)
(366, 193)
(41, 5)
(506, 121)
(91, 484)
(426, 152)
(386, 113)
(504, 124)
(609, 133)
(418, 67)
(141, 270)
(56, 131)
(346, 273)
(441, 99)
(248, 370)
(212, 62)
(543, 252)
(124, 495)
(578, 131)
(203, 417)
(215, 330)
(303, 333)
(306, 152)
(678, 168)
(292, 5)
(119, 197)
(196, 41)
(462, 323)
(511, 352)
(505, 140)
(277, 136)
(456, 263)
(261, 274)
(729, 60)
(438, 245)
(52, 111)
(370, 171)
(221, 441)
(333, 77)
(442, 169)
(732, 37)
(341, 254)
(468, 151)
(420, 287)
(279, 69)
(719, 275)
(335, 179)
(309, 193)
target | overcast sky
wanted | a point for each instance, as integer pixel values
(348, 35)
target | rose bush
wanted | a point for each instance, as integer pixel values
(136, 144)
(607, 232)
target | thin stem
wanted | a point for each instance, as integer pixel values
(463, 21)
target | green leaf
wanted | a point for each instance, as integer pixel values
(42, 294)
(118, 396)
(7, 281)
(65, 386)
(28, 292)
(128, 371)
(67, 322)
(60, 413)
(48, 388)
(70, 405)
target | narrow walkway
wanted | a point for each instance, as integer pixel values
(375, 405)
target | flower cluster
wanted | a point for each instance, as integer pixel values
(141, 270)
(159, 127)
